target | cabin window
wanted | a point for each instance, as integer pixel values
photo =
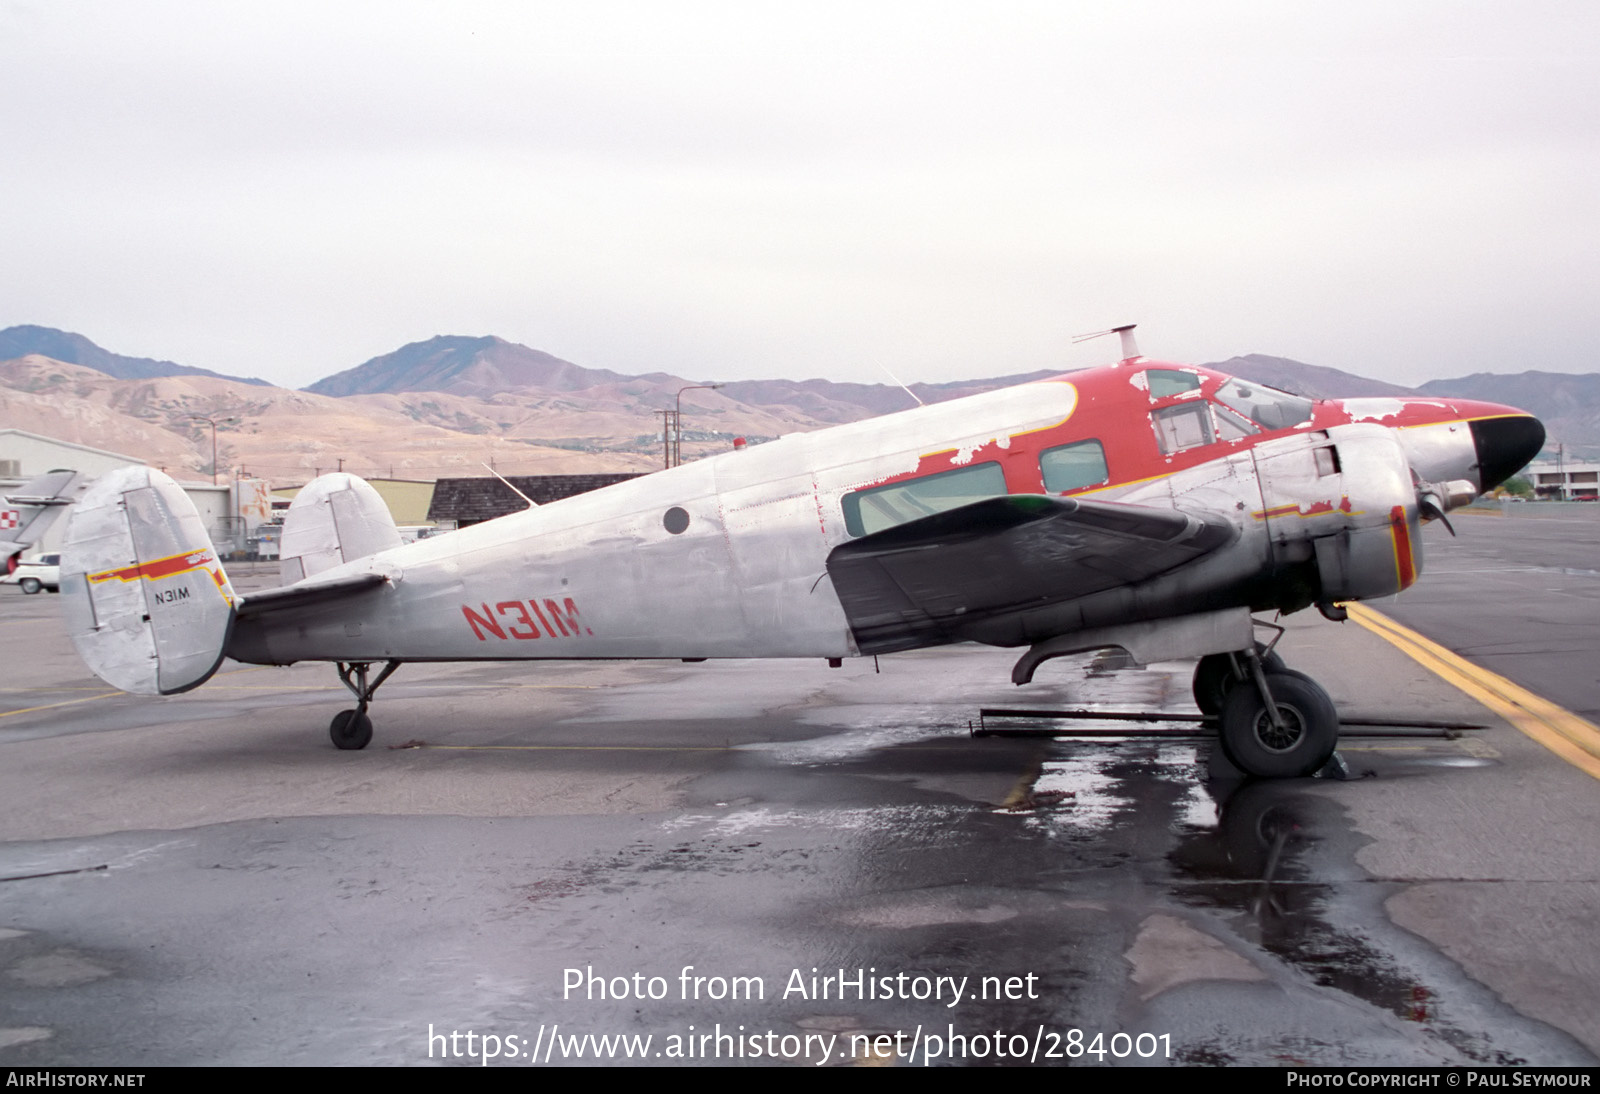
(1073, 466)
(1232, 426)
(1165, 382)
(868, 511)
(1187, 425)
(1265, 406)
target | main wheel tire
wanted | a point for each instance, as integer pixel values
(31, 585)
(350, 730)
(1214, 675)
(1309, 735)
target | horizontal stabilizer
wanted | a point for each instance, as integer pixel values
(29, 510)
(147, 602)
(919, 583)
(336, 518)
(306, 593)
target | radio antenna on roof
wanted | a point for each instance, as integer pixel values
(1130, 348)
(896, 379)
(531, 503)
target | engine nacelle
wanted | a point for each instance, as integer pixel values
(1363, 525)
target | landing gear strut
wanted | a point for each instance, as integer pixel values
(352, 729)
(1218, 672)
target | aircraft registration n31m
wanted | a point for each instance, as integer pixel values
(1144, 505)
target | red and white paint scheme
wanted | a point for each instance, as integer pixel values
(1144, 505)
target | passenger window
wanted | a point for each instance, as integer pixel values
(868, 511)
(1073, 466)
(1185, 426)
(1169, 381)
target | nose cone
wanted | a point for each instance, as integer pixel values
(1505, 445)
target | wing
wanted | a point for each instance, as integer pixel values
(920, 583)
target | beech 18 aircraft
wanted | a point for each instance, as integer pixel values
(1143, 505)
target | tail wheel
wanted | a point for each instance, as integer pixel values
(1214, 675)
(350, 730)
(1300, 745)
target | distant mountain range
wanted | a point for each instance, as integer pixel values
(75, 349)
(447, 404)
(464, 366)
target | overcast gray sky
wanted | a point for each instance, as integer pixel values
(738, 190)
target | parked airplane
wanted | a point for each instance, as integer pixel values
(1144, 505)
(31, 509)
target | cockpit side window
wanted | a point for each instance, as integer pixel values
(1187, 425)
(868, 511)
(1073, 466)
(1232, 426)
(1267, 407)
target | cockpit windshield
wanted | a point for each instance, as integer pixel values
(1267, 407)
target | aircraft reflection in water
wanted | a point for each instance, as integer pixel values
(1143, 505)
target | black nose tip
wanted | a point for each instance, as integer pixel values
(1505, 445)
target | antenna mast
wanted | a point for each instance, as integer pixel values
(1130, 348)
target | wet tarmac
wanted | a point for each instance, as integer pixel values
(1532, 579)
(750, 862)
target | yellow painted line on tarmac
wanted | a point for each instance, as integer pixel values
(1574, 739)
(573, 748)
(211, 689)
(52, 691)
(497, 687)
(63, 703)
(1022, 791)
(407, 686)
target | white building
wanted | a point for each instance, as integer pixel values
(24, 455)
(1566, 480)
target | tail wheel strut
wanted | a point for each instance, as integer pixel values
(352, 729)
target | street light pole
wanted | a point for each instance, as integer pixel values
(677, 420)
(213, 421)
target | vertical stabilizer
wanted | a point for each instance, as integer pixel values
(336, 518)
(147, 602)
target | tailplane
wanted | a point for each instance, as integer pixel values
(147, 602)
(31, 508)
(336, 518)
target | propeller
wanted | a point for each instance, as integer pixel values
(1435, 499)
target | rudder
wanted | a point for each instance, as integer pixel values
(336, 518)
(147, 602)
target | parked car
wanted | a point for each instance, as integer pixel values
(34, 574)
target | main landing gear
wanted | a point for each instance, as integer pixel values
(352, 729)
(1272, 722)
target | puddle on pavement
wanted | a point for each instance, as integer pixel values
(1275, 860)
(1278, 861)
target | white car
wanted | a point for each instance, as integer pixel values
(34, 574)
